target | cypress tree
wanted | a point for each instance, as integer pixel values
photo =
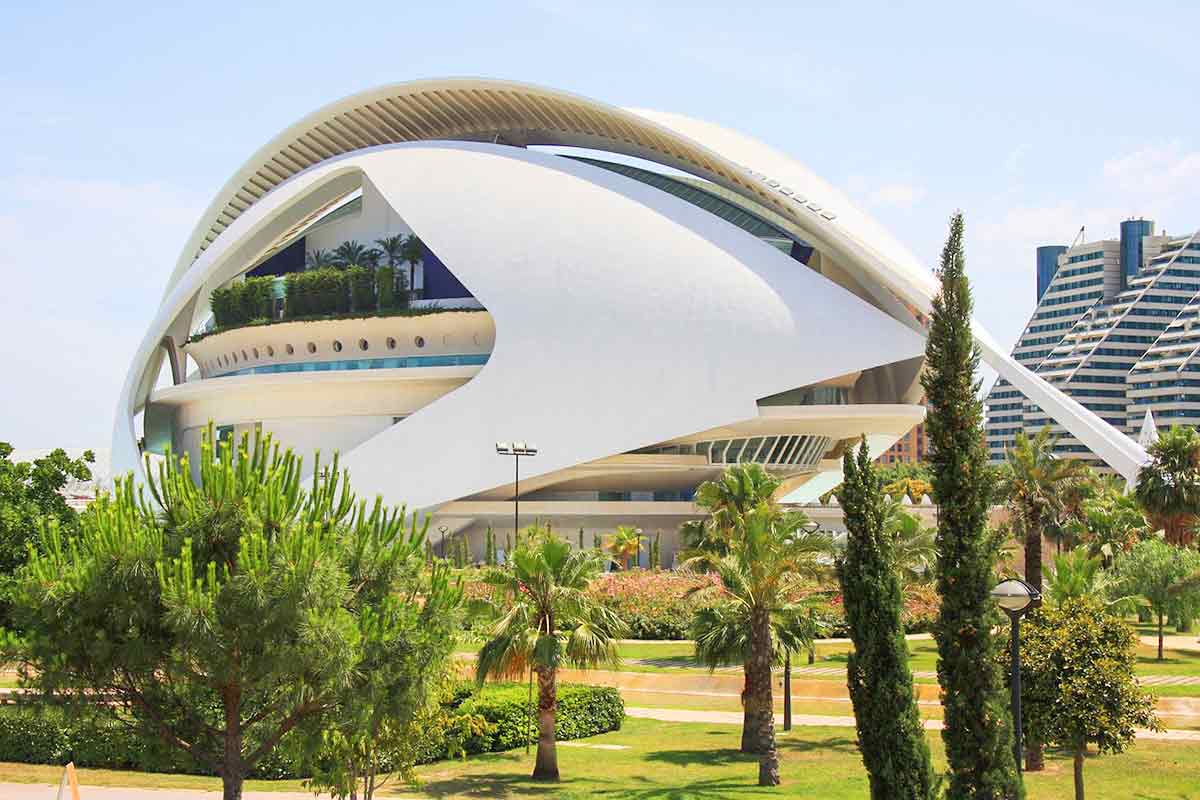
(978, 725)
(489, 554)
(596, 544)
(890, 735)
(581, 538)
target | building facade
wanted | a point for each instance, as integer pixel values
(644, 297)
(1110, 327)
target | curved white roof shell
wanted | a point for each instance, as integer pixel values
(401, 138)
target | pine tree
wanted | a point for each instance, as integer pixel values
(978, 726)
(890, 735)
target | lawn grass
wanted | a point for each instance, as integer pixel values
(687, 760)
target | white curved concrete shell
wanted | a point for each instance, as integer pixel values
(625, 318)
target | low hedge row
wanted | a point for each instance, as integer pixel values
(36, 734)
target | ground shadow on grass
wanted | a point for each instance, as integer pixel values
(512, 786)
(834, 744)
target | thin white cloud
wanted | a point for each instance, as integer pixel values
(1157, 169)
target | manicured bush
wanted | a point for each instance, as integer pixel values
(256, 298)
(362, 288)
(38, 734)
(385, 279)
(226, 305)
(582, 711)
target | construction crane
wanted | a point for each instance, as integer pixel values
(1079, 237)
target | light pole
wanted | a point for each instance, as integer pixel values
(516, 450)
(442, 529)
(812, 526)
(1016, 597)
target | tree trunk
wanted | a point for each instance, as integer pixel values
(546, 766)
(232, 774)
(761, 706)
(1079, 751)
(747, 727)
(1160, 636)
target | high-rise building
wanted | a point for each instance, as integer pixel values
(1113, 331)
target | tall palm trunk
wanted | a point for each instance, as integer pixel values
(1035, 757)
(546, 766)
(761, 706)
(747, 728)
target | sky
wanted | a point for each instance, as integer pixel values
(121, 121)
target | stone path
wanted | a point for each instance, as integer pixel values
(823, 720)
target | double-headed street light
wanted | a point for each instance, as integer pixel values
(516, 450)
(1016, 597)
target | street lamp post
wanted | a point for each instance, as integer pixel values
(812, 526)
(1016, 597)
(516, 450)
(442, 530)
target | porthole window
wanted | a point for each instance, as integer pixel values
(337, 346)
(362, 344)
(270, 351)
(419, 341)
(312, 348)
(244, 356)
(235, 358)
(391, 343)
(256, 352)
(290, 350)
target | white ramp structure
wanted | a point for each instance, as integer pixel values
(644, 296)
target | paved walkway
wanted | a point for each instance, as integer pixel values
(830, 721)
(40, 791)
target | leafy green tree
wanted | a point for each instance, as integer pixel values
(1077, 681)
(1159, 573)
(1168, 487)
(221, 614)
(890, 735)
(407, 630)
(544, 619)
(625, 544)
(768, 554)
(489, 555)
(978, 727)
(30, 496)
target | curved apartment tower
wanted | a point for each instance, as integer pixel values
(643, 296)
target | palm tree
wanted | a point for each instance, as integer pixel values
(914, 552)
(392, 248)
(1109, 523)
(1168, 487)
(625, 544)
(354, 254)
(1036, 490)
(721, 636)
(769, 552)
(1079, 574)
(544, 618)
(316, 259)
(412, 253)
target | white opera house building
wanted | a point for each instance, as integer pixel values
(644, 296)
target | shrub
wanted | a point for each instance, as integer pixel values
(362, 288)
(495, 716)
(226, 305)
(385, 278)
(256, 298)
